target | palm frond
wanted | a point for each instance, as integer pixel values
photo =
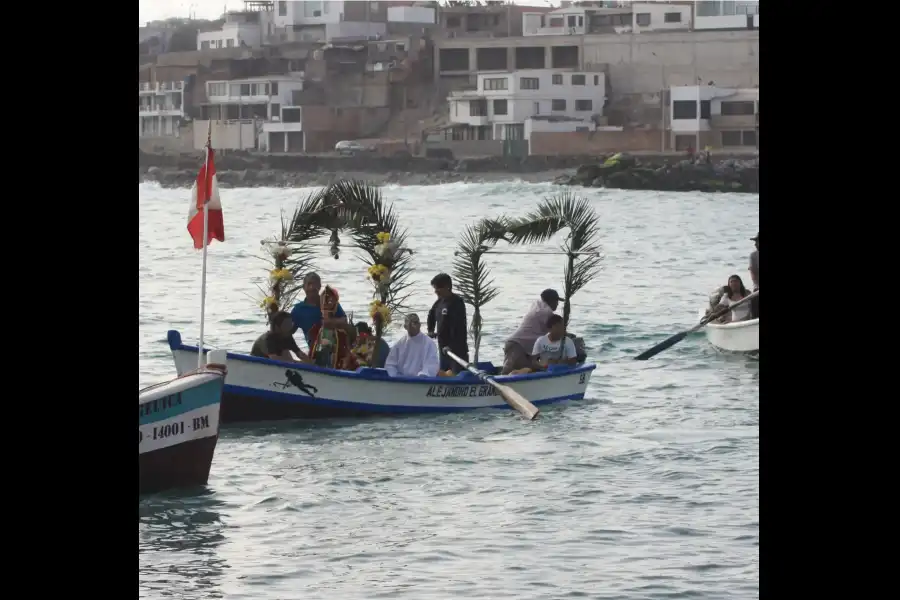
(472, 275)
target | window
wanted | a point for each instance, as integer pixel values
(596, 82)
(218, 89)
(204, 46)
(556, 21)
(572, 20)
(452, 21)
(582, 105)
(557, 79)
(704, 109)
(495, 83)
(737, 108)
(500, 107)
(581, 21)
(290, 114)
(642, 19)
(537, 108)
(577, 79)
(229, 43)
(282, 9)
(577, 129)
(672, 17)
(731, 139)
(529, 83)
(684, 109)
(557, 105)
(245, 89)
(748, 137)
(478, 108)
(276, 111)
(274, 88)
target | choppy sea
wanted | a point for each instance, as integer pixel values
(648, 489)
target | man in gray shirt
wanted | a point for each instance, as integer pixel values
(517, 349)
(754, 275)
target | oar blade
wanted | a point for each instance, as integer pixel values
(668, 343)
(518, 402)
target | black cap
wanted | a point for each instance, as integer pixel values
(551, 296)
(755, 239)
(363, 327)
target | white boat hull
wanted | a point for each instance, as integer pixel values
(742, 336)
(259, 389)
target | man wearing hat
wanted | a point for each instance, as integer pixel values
(534, 324)
(754, 275)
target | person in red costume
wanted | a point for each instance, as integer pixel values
(330, 347)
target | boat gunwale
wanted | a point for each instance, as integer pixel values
(178, 384)
(175, 343)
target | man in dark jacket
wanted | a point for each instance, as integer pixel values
(447, 322)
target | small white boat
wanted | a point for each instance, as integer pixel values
(260, 389)
(741, 336)
(178, 423)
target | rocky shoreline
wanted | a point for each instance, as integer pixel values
(654, 172)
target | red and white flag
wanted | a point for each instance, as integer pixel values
(205, 196)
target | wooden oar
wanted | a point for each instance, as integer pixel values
(668, 343)
(511, 396)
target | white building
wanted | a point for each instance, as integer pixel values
(500, 106)
(410, 14)
(248, 28)
(255, 100)
(160, 108)
(581, 20)
(324, 20)
(729, 115)
(721, 14)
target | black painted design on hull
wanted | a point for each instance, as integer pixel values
(295, 379)
(179, 466)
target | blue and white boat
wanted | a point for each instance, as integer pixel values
(260, 389)
(179, 426)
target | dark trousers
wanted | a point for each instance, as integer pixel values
(754, 308)
(449, 363)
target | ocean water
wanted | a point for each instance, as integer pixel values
(648, 489)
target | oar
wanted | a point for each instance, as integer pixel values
(668, 343)
(511, 396)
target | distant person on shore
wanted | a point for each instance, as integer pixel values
(555, 347)
(308, 312)
(414, 355)
(447, 322)
(754, 275)
(517, 349)
(277, 343)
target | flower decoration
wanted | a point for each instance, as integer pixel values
(280, 251)
(279, 275)
(379, 312)
(383, 238)
(269, 303)
(380, 273)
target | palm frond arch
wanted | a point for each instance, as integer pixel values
(345, 206)
(552, 215)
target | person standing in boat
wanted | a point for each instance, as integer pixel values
(277, 343)
(754, 275)
(516, 350)
(308, 312)
(447, 322)
(731, 294)
(415, 355)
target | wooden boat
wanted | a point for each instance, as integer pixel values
(178, 423)
(741, 336)
(259, 389)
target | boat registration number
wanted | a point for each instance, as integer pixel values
(460, 391)
(174, 428)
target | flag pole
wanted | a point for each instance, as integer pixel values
(207, 192)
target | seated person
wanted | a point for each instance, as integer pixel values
(364, 348)
(555, 347)
(731, 294)
(277, 343)
(415, 355)
(330, 340)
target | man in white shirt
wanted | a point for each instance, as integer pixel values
(534, 325)
(415, 355)
(555, 348)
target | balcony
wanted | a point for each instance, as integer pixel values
(147, 88)
(733, 121)
(160, 111)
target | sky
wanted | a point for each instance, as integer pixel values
(151, 10)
